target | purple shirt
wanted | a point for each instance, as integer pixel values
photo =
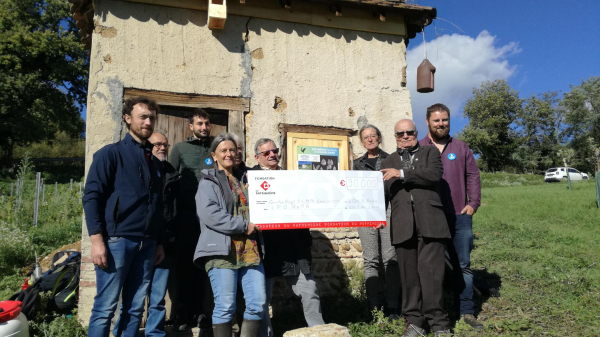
(461, 185)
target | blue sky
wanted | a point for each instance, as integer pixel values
(537, 46)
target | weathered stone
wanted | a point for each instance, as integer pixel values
(357, 246)
(326, 330)
(340, 235)
(335, 247)
(345, 246)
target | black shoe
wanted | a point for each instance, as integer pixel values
(205, 326)
(472, 321)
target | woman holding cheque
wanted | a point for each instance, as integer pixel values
(375, 242)
(230, 247)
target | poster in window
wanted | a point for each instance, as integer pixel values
(318, 158)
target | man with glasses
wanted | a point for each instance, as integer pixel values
(189, 158)
(461, 196)
(419, 230)
(287, 254)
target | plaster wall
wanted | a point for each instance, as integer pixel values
(293, 73)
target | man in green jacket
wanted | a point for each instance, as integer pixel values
(189, 158)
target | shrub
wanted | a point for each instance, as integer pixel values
(16, 248)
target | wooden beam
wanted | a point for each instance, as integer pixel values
(235, 124)
(191, 100)
(334, 131)
(356, 17)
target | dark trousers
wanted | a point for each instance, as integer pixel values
(421, 263)
(194, 296)
(461, 228)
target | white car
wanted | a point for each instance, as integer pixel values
(559, 174)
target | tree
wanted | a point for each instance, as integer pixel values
(491, 134)
(582, 115)
(538, 128)
(43, 73)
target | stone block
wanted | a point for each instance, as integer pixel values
(356, 244)
(325, 330)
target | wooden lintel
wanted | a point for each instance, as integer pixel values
(191, 100)
(328, 130)
(312, 13)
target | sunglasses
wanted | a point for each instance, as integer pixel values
(400, 134)
(266, 153)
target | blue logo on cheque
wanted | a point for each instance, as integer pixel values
(208, 161)
(451, 156)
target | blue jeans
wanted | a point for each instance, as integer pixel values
(224, 284)
(130, 261)
(155, 325)
(461, 229)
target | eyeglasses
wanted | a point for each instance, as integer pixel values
(266, 153)
(400, 134)
(158, 145)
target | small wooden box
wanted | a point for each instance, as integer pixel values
(217, 14)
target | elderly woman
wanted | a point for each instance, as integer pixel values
(230, 246)
(376, 243)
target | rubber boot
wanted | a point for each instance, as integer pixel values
(222, 330)
(250, 328)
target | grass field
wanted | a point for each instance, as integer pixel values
(540, 243)
(543, 244)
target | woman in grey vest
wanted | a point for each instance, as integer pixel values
(376, 243)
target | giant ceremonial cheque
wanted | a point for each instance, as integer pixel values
(315, 199)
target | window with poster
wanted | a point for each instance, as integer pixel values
(316, 148)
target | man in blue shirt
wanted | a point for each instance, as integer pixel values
(123, 208)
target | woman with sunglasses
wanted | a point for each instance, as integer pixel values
(376, 243)
(230, 247)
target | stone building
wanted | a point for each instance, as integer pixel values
(307, 72)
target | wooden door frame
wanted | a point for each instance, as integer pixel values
(238, 107)
(312, 129)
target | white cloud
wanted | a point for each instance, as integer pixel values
(462, 63)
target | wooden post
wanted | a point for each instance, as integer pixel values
(43, 193)
(36, 204)
(568, 175)
(55, 189)
(71, 184)
(598, 189)
(11, 189)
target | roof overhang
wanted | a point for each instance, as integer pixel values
(381, 16)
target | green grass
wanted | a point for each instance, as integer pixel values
(540, 243)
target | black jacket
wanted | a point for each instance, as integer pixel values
(287, 251)
(360, 164)
(422, 182)
(123, 194)
(170, 192)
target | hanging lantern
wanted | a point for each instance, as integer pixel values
(425, 73)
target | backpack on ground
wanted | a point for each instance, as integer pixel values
(30, 298)
(63, 281)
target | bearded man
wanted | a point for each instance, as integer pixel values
(189, 158)
(123, 209)
(461, 196)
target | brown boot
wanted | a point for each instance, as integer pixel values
(472, 321)
(222, 330)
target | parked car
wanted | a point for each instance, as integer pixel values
(559, 174)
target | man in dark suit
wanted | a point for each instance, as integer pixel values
(419, 229)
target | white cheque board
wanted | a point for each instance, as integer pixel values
(315, 199)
